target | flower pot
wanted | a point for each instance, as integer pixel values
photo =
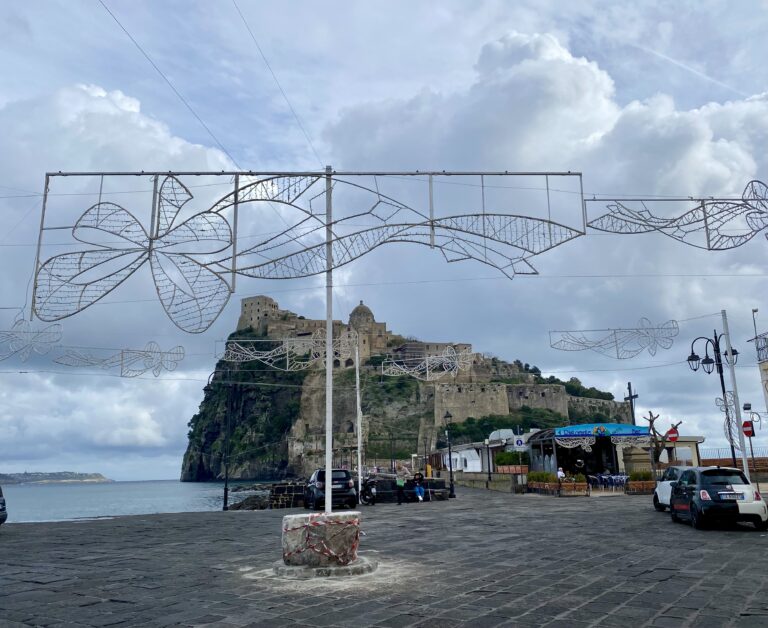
(640, 487)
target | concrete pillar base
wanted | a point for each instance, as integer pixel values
(321, 540)
(358, 567)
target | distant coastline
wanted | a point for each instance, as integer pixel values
(60, 477)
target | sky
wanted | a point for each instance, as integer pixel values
(646, 100)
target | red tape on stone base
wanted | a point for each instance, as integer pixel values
(343, 558)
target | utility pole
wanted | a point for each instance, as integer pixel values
(631, 398)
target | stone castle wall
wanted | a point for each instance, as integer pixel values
(612, 409)
(550, 396)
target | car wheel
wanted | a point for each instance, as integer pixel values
(673, 515)
(351, 504)
(762, 525)
(697, 520)
(306, 501)
(657, 504)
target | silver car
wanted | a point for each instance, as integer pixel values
(663, 489)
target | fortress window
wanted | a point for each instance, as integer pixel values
(543, 394)
(458, 389)
(349, 362)
(336, 364)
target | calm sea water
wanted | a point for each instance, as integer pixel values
(61, 502)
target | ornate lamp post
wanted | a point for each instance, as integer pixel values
(709, 364)
(447, 419)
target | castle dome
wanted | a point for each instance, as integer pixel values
(360, 316)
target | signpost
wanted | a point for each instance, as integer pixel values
(749, 431)
(673, 435)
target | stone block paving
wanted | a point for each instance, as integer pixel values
(483, 559)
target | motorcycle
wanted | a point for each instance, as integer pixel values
(368, 494)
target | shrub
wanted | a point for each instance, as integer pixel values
(580, 477)
(542, 476)
(506, 457)
(640, 476)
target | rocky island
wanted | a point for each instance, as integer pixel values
(276, 417)
(59, 477)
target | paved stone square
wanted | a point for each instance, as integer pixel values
(484, 559)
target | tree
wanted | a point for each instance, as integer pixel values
(658, 441)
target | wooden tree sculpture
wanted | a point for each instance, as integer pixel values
(658, 441)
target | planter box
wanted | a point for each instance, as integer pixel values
(512, 468)
(580, 489)
(543, 488)
(644, 487)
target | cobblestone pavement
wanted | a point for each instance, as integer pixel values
(480, 560)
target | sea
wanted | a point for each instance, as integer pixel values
(66, 502)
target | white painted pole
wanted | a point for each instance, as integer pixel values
(328, 342)
(736, 404)
(359, 420)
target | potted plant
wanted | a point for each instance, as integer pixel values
(640, 483)
(576, 485)
(542, 482)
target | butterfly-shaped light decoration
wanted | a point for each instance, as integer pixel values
(23, 339)
(191, 292)
(131, 362)
(730, 425)
(715, 225)
(431, 367)
(618, 343)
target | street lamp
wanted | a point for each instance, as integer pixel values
(447, 419)
(488, 455)
(709, 364)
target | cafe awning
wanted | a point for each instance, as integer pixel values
(585, 435)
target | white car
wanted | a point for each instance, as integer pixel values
(664, 487)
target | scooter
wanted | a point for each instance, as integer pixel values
(368, 495)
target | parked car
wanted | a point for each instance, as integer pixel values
(707, 494)
(664, 487)
(343, 489)
(3, 511)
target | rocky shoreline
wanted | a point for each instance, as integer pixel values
(59, 477)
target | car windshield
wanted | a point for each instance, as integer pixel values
(723, 476)
(335, 476)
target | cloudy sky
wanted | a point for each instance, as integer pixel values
(647, 100)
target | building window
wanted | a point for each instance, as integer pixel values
(543, 394)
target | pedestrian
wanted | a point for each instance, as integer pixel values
(401, 477)
(418, 485)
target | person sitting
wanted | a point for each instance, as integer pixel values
(418, 485)
(560, 474)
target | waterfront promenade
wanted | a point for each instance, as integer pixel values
(484, 559)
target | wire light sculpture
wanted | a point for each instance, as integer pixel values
(191, 292)
(131, 362)
(22, 340)
(730, 425)
(431, 367)
(194, 262)
(706, 225)
(292, 354)
(621, 344)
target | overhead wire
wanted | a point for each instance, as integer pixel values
(170, 84)
(277, 82)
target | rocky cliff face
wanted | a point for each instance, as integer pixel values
(277, 419)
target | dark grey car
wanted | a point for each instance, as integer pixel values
(3, 511)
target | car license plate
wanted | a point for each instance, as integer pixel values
(732, 496)
(337, 486)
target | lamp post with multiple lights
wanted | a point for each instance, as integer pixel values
(447, 419)
(709, 364)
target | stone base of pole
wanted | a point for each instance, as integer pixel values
(322, 546)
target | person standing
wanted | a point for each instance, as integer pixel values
(400, 478)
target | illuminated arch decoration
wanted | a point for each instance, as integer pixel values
(23, 339)
(621, 344)
(708, 224)
(431, 367)
(130, 362)
(194, 262)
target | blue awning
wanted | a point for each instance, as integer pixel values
(601, 429)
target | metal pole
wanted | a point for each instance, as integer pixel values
(451, 492)
(359, 420)
(736, 405)
(226, 442)
(488, 455)
(719, 365)
(39, 245)
(328, 341)
(752, 451)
